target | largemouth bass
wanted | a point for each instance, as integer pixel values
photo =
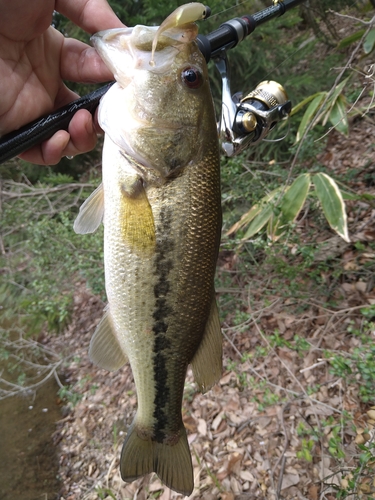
(162, 222)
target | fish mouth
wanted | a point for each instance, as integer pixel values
(127, 50)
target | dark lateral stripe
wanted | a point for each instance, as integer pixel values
(161, 397)
(163, 266)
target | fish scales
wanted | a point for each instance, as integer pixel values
(164, 298)
(161, 208)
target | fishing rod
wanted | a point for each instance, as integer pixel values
(234, 31)
(243, 121)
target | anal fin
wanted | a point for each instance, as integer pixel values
(207, 361)
(105, 350)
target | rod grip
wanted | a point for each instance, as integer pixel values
(43, 128)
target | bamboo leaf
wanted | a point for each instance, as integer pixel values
(369, 43)
(303, 103)
(259, 221)
(253, 212)
(339, 88)
(309, 114)
(354, 37)
(338, 116)
(245, 219)
(350, 196)
(326, 112)
(332, 203)
(290, 206)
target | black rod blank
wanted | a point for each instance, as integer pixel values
(230, 33)
(43, 128)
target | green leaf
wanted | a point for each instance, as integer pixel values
(326, 111)
(369, 43)
(338, 89)
(354, 37)
(350, 196)
(245, 219)
(259, 221)
(338, 116)
(303, 103)
(317, 112)
(309, 114)
(253, 212)
(332, 204)
(294, 198)
(290, 205)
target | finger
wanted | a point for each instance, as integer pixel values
(22, 21)
(49, 152)
(81, 63)
(97, 127)
(81, 137)
(90, 15)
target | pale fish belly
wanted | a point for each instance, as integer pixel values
(130, 280)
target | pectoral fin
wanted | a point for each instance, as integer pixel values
(91, 213)
(137, 220)
(207, 361)
(105, 350)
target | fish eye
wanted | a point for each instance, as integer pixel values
(192, 77)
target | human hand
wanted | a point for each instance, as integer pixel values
(35, 59)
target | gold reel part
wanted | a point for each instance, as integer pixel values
(270, 93)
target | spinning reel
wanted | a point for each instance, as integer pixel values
(246, 120)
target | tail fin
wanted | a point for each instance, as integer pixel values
(171, 463)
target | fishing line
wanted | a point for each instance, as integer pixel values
(229, 8)
(293, 54)
(248, 2)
